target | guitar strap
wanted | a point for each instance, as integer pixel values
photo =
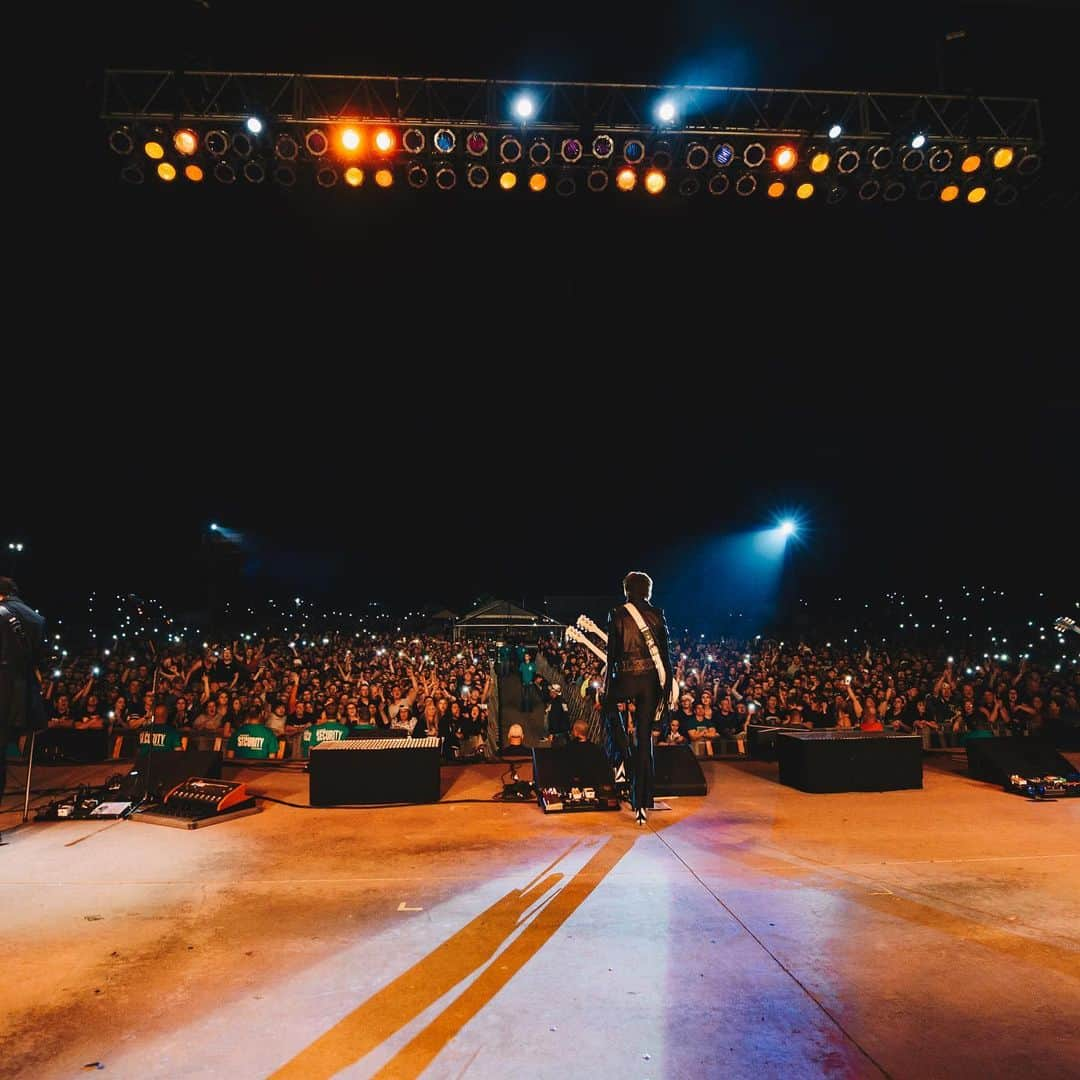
(654, 652)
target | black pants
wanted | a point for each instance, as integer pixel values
(644, 691)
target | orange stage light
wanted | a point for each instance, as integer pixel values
(537, 182)
(354, 177)
(193, 172)
(508, 180)
(154, 150)
(186, 141)
(785, 158)
(626, 179)
(384, 140)
(350, 139)
(775, 189)
(166, 171)
(384, 178)
(655, 181)
(949, 193)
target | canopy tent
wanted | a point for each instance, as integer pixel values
(501, 619)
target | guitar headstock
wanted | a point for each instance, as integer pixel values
(585, 623)
(574, 634)
(1065, 623)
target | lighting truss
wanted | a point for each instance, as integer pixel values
(457, 123)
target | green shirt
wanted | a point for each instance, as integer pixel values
(254, 741)
(320, 733)
(159, 737)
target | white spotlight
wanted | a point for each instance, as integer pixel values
(213, 526)
(524, 106)
(787, 527)
(835, 131)
(666, 111)
(918, 142)
(254, 125)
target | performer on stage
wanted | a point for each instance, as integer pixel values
(638, 670)
(22, 641)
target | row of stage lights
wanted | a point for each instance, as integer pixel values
(232, 155)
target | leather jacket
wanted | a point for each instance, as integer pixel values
(627, 653)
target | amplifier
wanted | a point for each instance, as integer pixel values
(367, 772)
(197, 802)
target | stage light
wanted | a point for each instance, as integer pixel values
(753, 155)
(254, 172)
(354, 177)
(570, 150)
(626, 179)
(326, 177)
(819, 162)
(350, 139)
(665, 111)
(804, 191)
(976, 194)
(718, 183)
(120, 141)
(224, 173)
(286, 148)
(835, 131)
(894, 191)
(186, 142)
(1003, 157)
(785, 158)
(1004, 194)
(316, 142)
(911, 160)
(193, 172)
(166, 170)
(254, 125)
(633, 151)
(949, 193)
(216, 143)
(154, 150)
(524, 107)
(941, 158)
(132, 174)
(881, 157)
(788, 527)
(384, 140)
(476, 143)
(661, 155)
(565, 186)
(837, 194)
(241, 144)
(384, 178)
(537, 182)
(603, 146)
(1029, 164)
(723, 154)
(539, 152)
(697, 156)
(746, 184)
(285, 175)
(971, 163)
(477, 176)
(413, 140)
(869, 189)
(507, 180)
(918, 141)
(213, 527)
(445, 178)
(417, 176)
(445, 141)
(926, 190)
(598, 180)
(775, 189)
(509, 150)
(847, 161)
(689, 186)
(655, 181)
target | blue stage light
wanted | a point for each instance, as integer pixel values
(788, 527)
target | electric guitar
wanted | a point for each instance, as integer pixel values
(585, 623)
(574, 634)
(1060, 625)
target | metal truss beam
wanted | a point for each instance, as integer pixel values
(282, 98)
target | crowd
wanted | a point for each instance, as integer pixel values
(727, 687)
(271, 698)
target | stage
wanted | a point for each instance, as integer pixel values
(759, 931)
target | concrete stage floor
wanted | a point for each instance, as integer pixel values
(756, 932)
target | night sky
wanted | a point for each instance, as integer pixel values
(428, 398)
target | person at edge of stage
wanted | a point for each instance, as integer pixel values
(22, 643)
(639, 670)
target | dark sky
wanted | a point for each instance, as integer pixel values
(434, 397)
